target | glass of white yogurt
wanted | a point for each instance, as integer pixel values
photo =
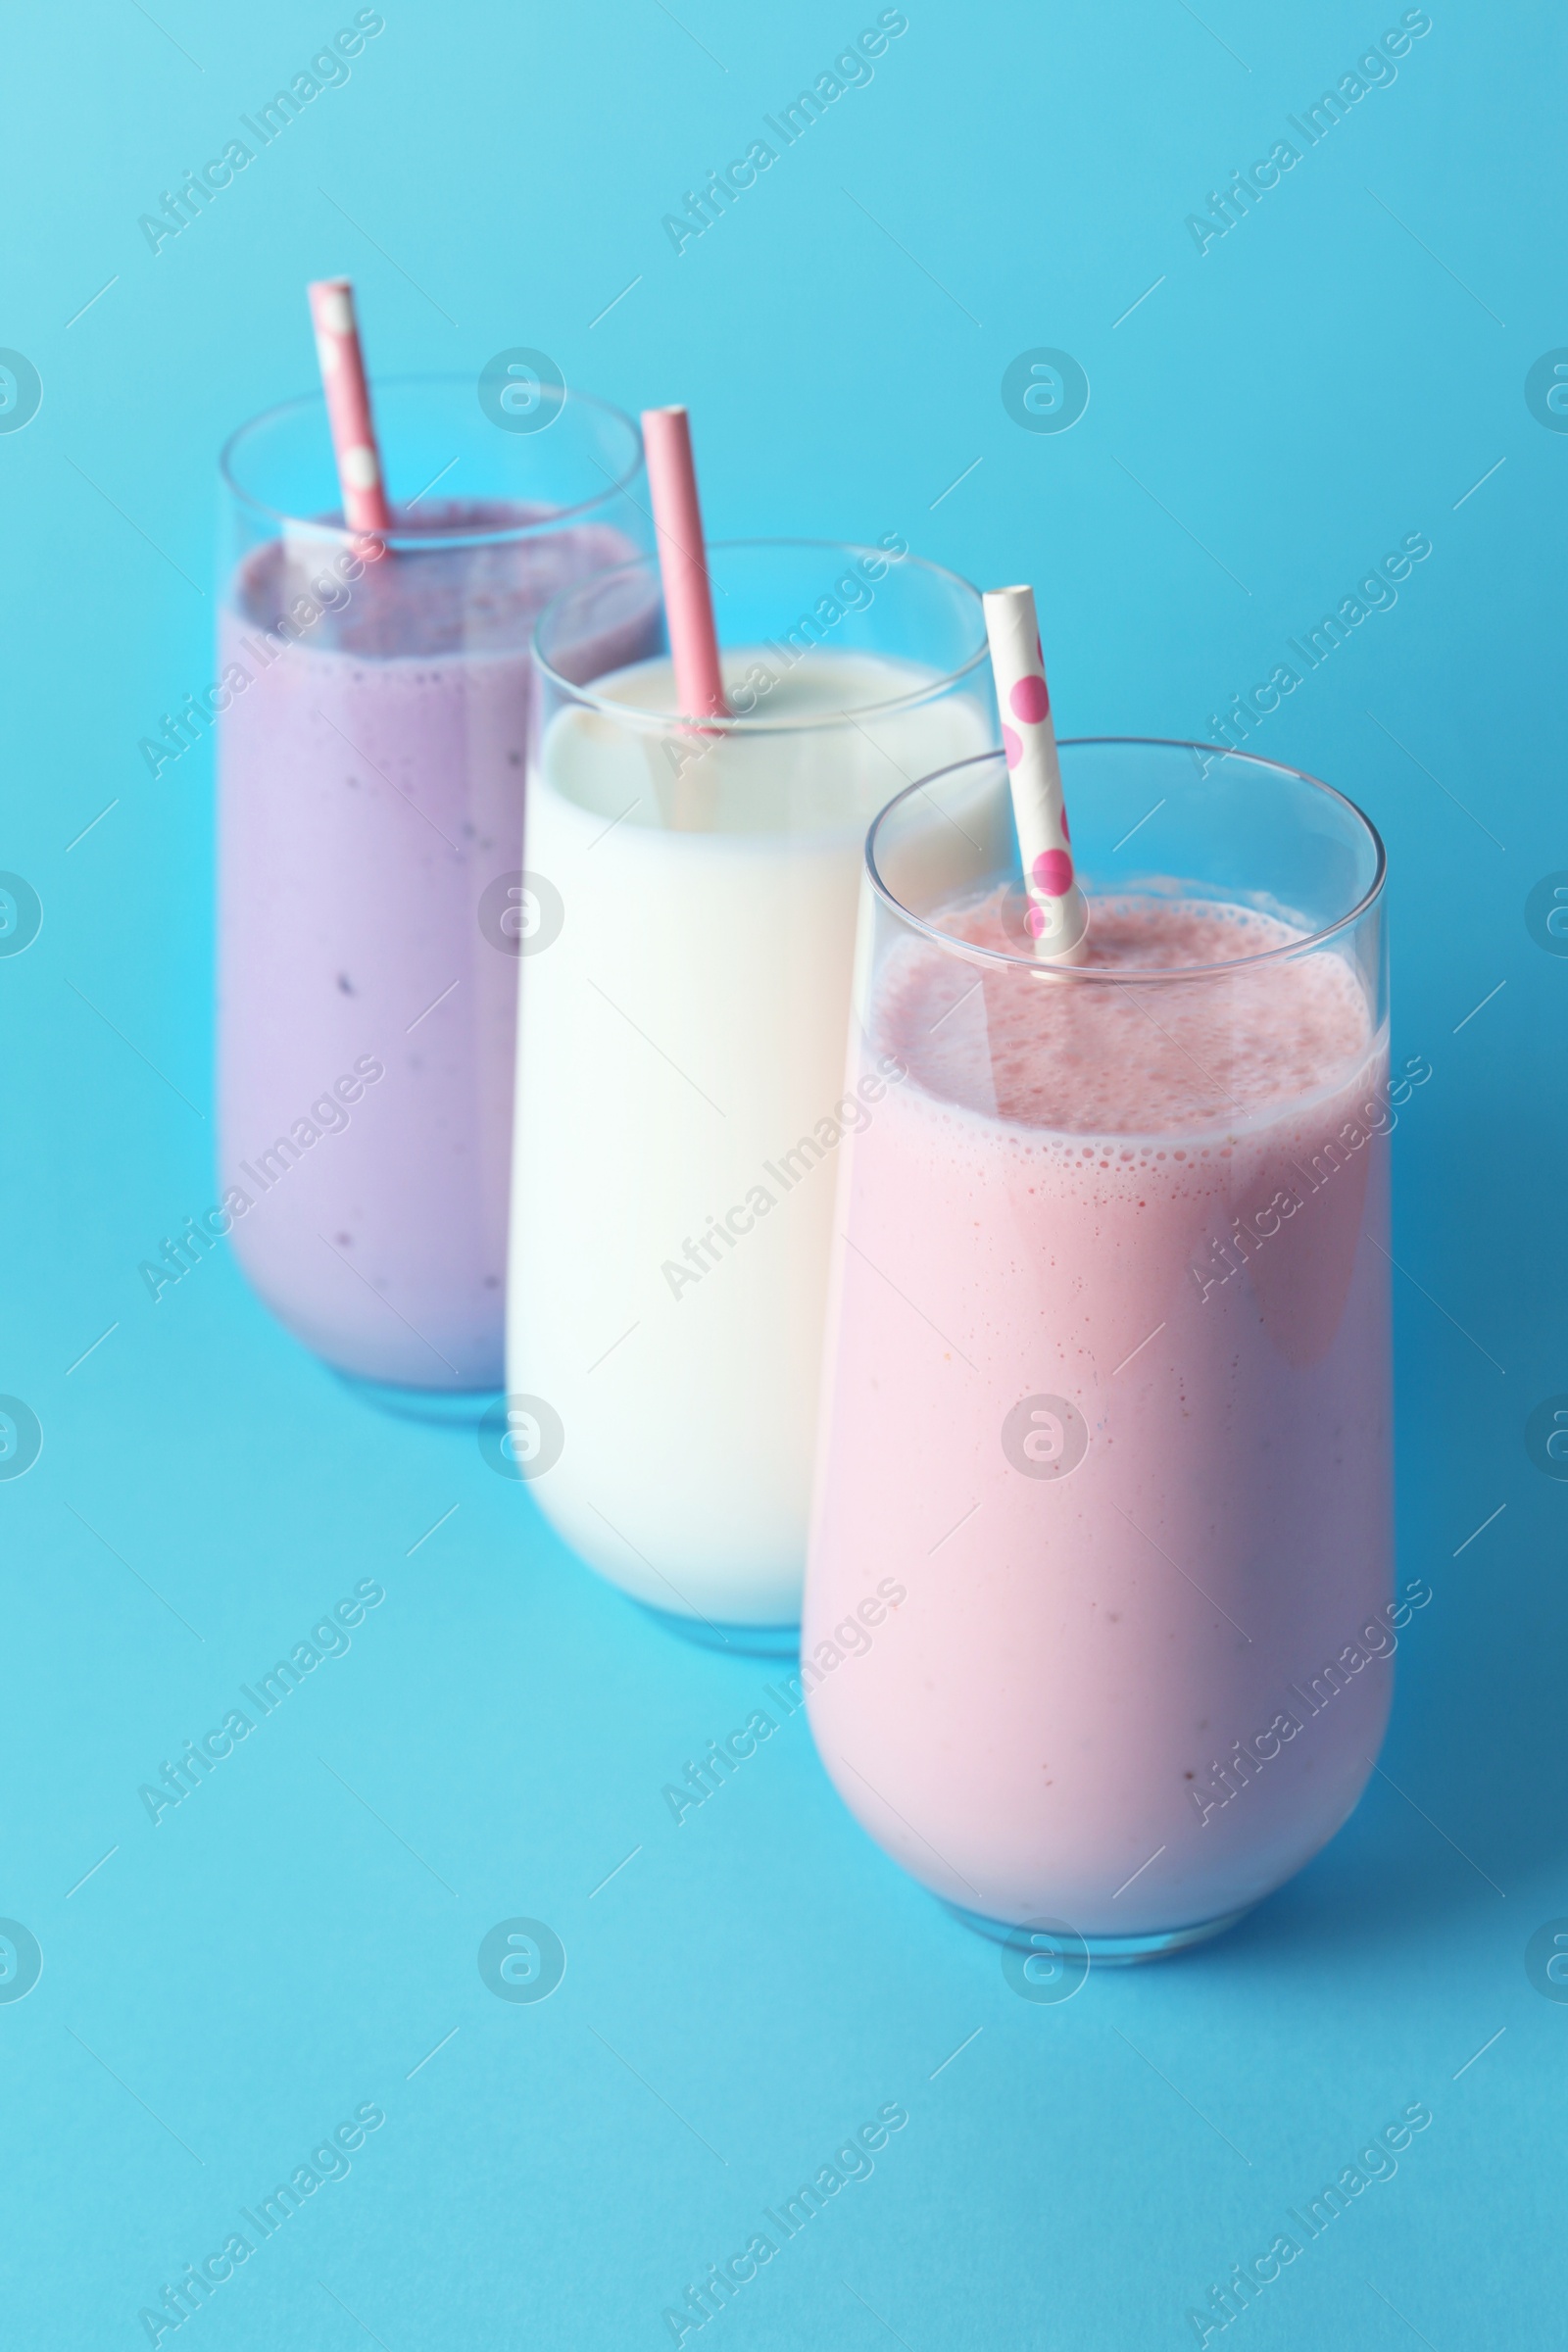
(686, 926)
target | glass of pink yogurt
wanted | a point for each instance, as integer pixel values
(373, 722)
(1099, 1607)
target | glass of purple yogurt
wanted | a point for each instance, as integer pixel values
(375, 705)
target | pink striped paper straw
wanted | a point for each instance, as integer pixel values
(1057, 919)
(683, 564)
(348, 405)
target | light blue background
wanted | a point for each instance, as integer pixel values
(755, 1984)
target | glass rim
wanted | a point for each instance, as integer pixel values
(743, 724)
(338, 533)
(1148, 976)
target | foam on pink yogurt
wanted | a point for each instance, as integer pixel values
(1046, 1724)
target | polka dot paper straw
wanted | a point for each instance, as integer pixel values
(348, 405)
(1058, 918)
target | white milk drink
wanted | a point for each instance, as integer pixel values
(681, 1098)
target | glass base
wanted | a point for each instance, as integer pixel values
(1112, 1951)
(735, 1641)
(438, 1408)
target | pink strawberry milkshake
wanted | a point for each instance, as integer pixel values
(1107, 1391)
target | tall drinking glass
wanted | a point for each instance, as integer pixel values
(684, 1005)
(373, 743)
(1100, 1599)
